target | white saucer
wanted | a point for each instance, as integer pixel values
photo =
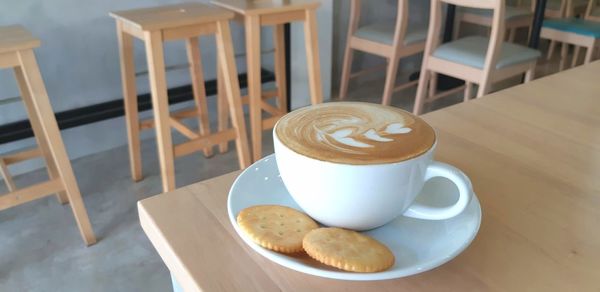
(418, 245)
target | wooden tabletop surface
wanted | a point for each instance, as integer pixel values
(247, 7)
(533, 154)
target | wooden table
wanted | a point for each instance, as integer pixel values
(533, 154)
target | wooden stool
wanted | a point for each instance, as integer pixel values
(178, 22)
(255, 14)
(16, 51)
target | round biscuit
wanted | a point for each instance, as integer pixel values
(347, 250)
(277, 228)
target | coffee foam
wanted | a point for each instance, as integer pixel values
(355, 133)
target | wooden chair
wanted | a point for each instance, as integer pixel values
(254, 15)
(16, 52)
(154, 26)
(556, 9)
(474, 59)
(392, 41)
(515, 17)
(579, 32)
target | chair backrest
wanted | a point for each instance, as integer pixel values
(591, 8)
(400, 25)
(496, 35)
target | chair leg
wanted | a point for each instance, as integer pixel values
(530, 74)
(484, 87)
(390, 80)
(160, 108)
(551, 49)
(456, 31)
(589, 55)
(41, 106)
(346, 70)
(232, 86)
(433, 83)
(254, 84)
(575, 56)
(311, 39)
(468, 91)
(512, 34)
(130, 101)
(223, 116)
(421, 91)
(38, 132)
(280, 78)
(197, 76)
(10, 184)
(563, 56)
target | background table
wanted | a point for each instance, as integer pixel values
(533, 154)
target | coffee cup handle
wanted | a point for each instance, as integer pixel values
(465, 190)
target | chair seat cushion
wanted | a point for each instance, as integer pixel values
(471, 51)
(574, 25)
(383, 32)
(510, 13)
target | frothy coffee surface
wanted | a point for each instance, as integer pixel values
(355, 133)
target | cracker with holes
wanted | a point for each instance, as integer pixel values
(348, 250)
(274, 227)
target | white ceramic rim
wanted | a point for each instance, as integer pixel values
(342, 275)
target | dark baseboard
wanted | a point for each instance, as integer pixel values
(112, 109)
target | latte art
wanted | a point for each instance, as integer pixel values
(356, 133)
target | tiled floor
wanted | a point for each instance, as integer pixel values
(40, 247)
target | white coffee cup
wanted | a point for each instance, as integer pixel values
(363, 197)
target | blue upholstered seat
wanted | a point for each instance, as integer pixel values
(510, 13)
(471, 51)
(383, 32)
(574, 25)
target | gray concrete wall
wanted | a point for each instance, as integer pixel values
(80, 64)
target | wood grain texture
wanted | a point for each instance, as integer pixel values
(253, 7)
(168, 16)
(532, 152)
(16, 37)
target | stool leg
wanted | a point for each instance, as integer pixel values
(42, 108)
(38, 132)
(254, 83)
(280, 78)
(10, 184)
(312, 56)
(232, 86)
(130, 101)
(197, 74)
(160, 107)
(222, 106)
